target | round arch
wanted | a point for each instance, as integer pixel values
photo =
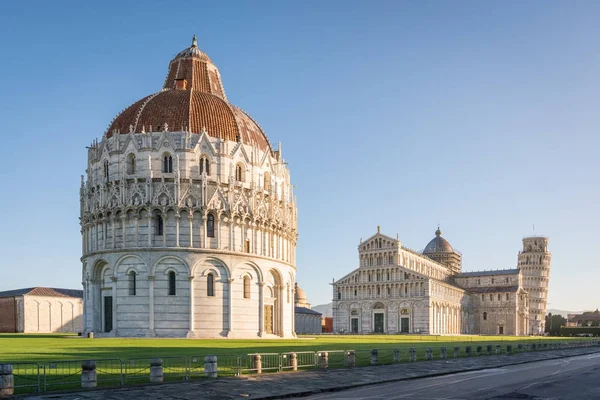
(179, 259)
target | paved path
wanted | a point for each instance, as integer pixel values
(280, 385)
(566, 378)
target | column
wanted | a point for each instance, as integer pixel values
(202, 230)
(137, 232)
(112, 225)
(151, 304)
(230, 302)
(254, 238)
(164, 233)
(293, 310)
(149, 230)
(218, 226)
(191, 330)
(123, 219)
(114, 308)
(261, 308)
(177, 216)
(231, 237)
(191, 220)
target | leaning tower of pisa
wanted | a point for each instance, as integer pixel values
(534, 261)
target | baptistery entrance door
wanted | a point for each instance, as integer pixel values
(354, 326)
(404, 323)
(108, 313)
(378, 321)
(269, 319)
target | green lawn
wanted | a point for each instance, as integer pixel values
(53, 362)
(44, 348)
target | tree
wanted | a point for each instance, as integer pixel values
(553, 323)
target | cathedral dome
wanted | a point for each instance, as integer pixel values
(438, 244)
(192, 100)
(300, 295)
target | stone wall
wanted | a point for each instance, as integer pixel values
(46, 314)
(8, 315)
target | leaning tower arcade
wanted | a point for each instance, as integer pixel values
(534, 261)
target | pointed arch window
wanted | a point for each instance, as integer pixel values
(172, 284)
(204, 166)
(246, 287)
(210, 225)
(106, 171)
(131, 164)
(167, 166)
(132, 283)
(159, 225)
(210, 285)
(485, 316)
(239, 173)
(267, 181)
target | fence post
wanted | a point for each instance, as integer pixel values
(498, 351)
(374, 357)
(396, 355)
(350, 359)
(156, 370)
(412, 354)
(468, 351)
(444, 353)
(7, 380)
(428, 355)
(489, 349)
(294, 361)
(89, 377)
(257, 364)
(479, 350)
(508, 348)
(210, 366)
(456, 352)
(323, 359)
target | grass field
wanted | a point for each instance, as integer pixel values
(53, 362)
(43, 348)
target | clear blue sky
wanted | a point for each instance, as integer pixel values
(480, 116)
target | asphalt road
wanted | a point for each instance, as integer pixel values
(567, 378)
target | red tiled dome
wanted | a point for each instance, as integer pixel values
(192, 98)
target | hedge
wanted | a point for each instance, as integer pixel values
(574, 330)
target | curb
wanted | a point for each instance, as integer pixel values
(411, 378)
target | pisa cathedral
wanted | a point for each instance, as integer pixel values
(399, 290)
(188, 217)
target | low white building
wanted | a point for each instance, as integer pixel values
(306, 320)
(41, 310)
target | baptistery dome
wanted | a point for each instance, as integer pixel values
(192, 99)
(188, 217)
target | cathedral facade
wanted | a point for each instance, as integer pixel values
(399, 290)
(188, 217)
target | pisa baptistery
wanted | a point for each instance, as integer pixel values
(188, 217)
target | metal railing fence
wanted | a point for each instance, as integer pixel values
(174, 368)
(31, 377)
(66, 374)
